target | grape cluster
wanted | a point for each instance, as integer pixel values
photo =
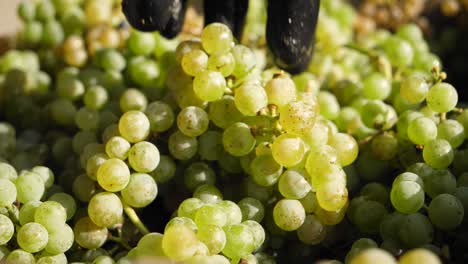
(119, 146)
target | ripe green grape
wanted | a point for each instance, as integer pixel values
(7, 192)
(439, 182)
(372, 256)
(399, 52)
(197, 174)
(407, 196)
(88, 235)
(414, 89)
(232, 211)
(238, 139)
(7, 229)
(446, 212)
(188, 222)
(332, 196)
(452, 131)
(27, 211)
(298, 117)
(113, 175)
(46, 174)
(216, 37)
(257, 231)
(60, 240)
(310, 203)
(442, 97)
(317, 136)
(93, 164)
(87, 119)
(192, 121)
(209, 85)
(250, 98)
(19, 256)
(32, 237)
(368, 216)
(252, 209)
(105, 209)
(239, 241)
(312, 231)
(29, 187)
(419, 255)
(438, 153)
(223, 112)
(150, 245)
(50, 215)
(376, 87)
(415, 230)
(186, 46)
(288, 150)
(223, 63)
(133, 99)
(189, 207)
(211, 214)
(179, 242)
(265, 170)
(182, 147)
(385, 146)
(134, 126)
(289, 214)
(320, 158)
(140, 191)
(165, 170)
(194, 62)
(422, 130)
(67, 201)
(84, 188)
(95, 97)
(160, 115)
(117, 147)
(280, 91)
(293, 185)
(144, 157)
(208, 193)
(213, 237)
(8, 172)
(141, 43)
(346, 148)
(245, 61)
(408, 176)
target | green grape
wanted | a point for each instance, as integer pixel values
(452, 131)
(83, 188)
(293, 185)
(93, 164)
(245, 61)
(462, 195)
(140, 191)
(31, 33)
(223, 112)
(192, 121)
(213, 237)
(416, 230)
(376, 192)
(8, 193)
(446, 212)
(320, 158)
(32, 237)
(376, 114)
(329, 106)
(182, 221)
(252, 209)
(404, 120)
(265, 170)
(95, 97)
(288, 150)
(399, 52)
(110, 60)
(141, 43)
(160, 115)
(346, 148)
(189, 207)
(414, 89)
(250, 98)
(210, 214)
(113, 175)
(408, 176)
(289, 214)
(442, 97)
(26, 10)
(8, 172)
(439, 182)
(376, 87)
(239, 241)
(310, 203)
(165, 171)
(88, 235)
(312, 231)
(332, 196)
(179, 242)
(194, 62)
(438, 153)
(462, 180)
(222, 62)
(421, 169)
(186, 46)
(298, 117)
(407, 196)
(197, 174)
(257, 231)
(81, 139)
(390, 225)
(232, 211)
(144, 157)
(317, 136)
(7, 229)
(27, 211)
(117, 147)
(150, 245)
(54, 259)
(208, 194)
(67, 201)
(422, 130)
(209, 85)
(373, 255)
(368, 216)
(103, 260)
(238, 139)
(105, 209)
(216, 37)
(87, 119)
(182, 147)
(60, 240)
(133, 100)
(385, 146)
(463, 119)
(280, 91)
(134, 126)
(50, 214)
(19, 256)
(419, 255)
(112, 130)
(30, 187)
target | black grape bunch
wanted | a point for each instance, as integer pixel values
(290, 29)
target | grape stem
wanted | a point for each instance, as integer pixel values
(120, 241)
(132, 215)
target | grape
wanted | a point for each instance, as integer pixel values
(182, 147)
(265, 170)
(143, 157)
(408, 176)
(407, 196)
(446, 211)
(60, 240)
(414, 89)
(210, 214)
(141, 43)
(438, 153)
(399, 52)
(50, 215)
(134, 126)
(373, 255)
(438, 182)
(320, 158)
(257, 231)
(289, 214)
(368, 216)
(8, 172)
(213, 237)
(197, 174)
(222, 62)
(189, 207)
(293, 185)
(46, 174)
(376, 192)
(117, 147)
(7, 193)
(93, 164)
(376, 87)
(317, 136)
(346, 147)
(385, 146)
(419, 256)
(160, 115)
(140, 191)
(133, 99)
(208, 194)
(150, 245)
(209, 85)
(7, 229)
(245, 60)
(113, 175)
(312, 231)
(298, 117)
(252, 209)
(95, 97)
(179, 243)
(250, 98)
(442, 97)
(105, 209)
(88, 234)
(240, 241)
(83, 188)
(332, 196)
(288, 150)
(67, 201)
(329, 106)
(238, 139)
(32, 237)
(422, 130)
(216, 37)
(30, 187)
(27, 211)
(165, 170)
(416, 230)
(182, 221)
(223, 112)
(280, 91)
(194, 62)
(452, 131)
(19, 256)
(192, 121)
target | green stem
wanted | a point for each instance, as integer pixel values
(120, 241)
(132, 215)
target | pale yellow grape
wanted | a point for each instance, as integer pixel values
(289, 214)
(298, 117)
(29, 187)
(89, 235)
(93, 164)
(346, 148)
(7, 229)
(32, 237)
(419, 255)
(182, 221)
(105, 209)
(319, 158)
(134, 126)
(194, 62)
(179, 242)
(217, 37)
(7, 192)
(280, 91)
(113, 175)
(232, 211)
(193, 121)
(211, 214)
(118, 147)
(327, 173)
(144, 157)
(293, 185)
(185, 47)
(250, 98)
(332, 196)
(238, 139)
(257, 231)
(213, 237)
(209, 85)
(317, 136)
(373, 256)
(331, 218)
(50, 214)
(223, 63)
(288, 150)
(140, 191)
(239, 241)
(46, 174)
(150, 245)
(60, 240)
